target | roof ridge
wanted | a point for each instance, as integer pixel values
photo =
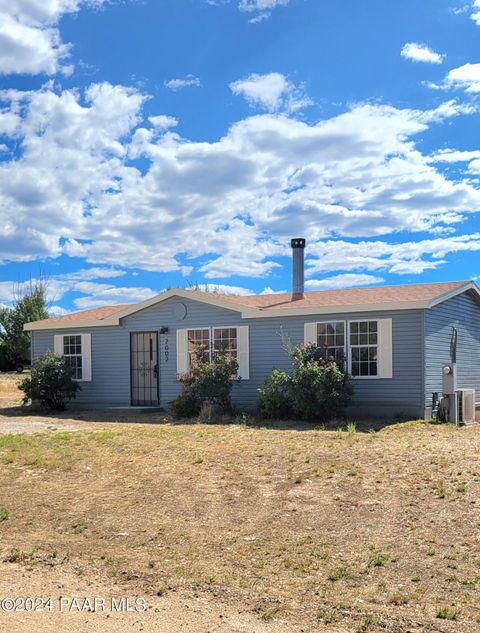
(423, 283)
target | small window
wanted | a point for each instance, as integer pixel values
(331, 340)
(198, 338)
(72, 350)
(364, 348)
(225, 339)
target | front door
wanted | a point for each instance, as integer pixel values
(144, 368)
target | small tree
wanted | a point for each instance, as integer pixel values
(207, 381)
(316, 388)
(31, 306)
(51, 382)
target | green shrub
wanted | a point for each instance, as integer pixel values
(185, 406)
(316, 388)
(207, 381)
(274, 397)
(50, 382)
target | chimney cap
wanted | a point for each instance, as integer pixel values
(298, 242)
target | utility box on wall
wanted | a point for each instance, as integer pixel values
(449, 379)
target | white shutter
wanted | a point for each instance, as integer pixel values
(385, 364)
(243, 344)
(310, 333)
(182, 352)
(58, 344)
(86, 357)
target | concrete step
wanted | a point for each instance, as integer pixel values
(135, 409)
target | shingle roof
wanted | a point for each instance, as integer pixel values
(349, 296)
(97, 314)
(379, 295)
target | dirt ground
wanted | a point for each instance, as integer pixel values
(238, 527)
(166, 614)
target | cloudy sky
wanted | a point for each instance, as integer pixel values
(148, 143)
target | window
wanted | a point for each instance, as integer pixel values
(197, 338)
(72, 350)
(235, 340)
(77, 349)
(225, 339)
(331, 339)
(364, 348)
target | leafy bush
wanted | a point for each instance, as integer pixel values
(316, 388)
(206, 382)
(185, 406)
(274, 397)
(50, 382)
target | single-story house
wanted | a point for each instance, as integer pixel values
(394, 341)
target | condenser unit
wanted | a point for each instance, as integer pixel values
(465, 406)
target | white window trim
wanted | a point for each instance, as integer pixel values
(377, 377)
(86, 346)
(243, 355)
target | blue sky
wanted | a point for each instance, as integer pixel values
(148, 143)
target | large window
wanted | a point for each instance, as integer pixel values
(72, 350)
(197, 338)
(331, 340)
(225, 339)
(364, 348)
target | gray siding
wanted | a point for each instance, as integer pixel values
(463, 313)
(402, 395)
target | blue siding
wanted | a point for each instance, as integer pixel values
(403, 394)
(463, 313)
(110, 383)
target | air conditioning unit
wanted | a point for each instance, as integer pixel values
(465, 406)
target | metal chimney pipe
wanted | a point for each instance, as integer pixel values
(298, 249)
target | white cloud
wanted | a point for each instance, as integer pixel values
(421, 53)
(56, 311)
(224, 289)
(82, 282)
(232, 202)
(262, 8)
(466, 76)
(163, 122)
(30, 41)
(476, 12)
(347, 280)
(376, 256)
(99, 295)
(454, 156)
(471, 157)
(261, 5)
(269, 291)
(272, 91)
(87, 274)
(186, 82)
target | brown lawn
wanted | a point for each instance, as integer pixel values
(316, 529)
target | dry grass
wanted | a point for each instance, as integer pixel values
(378, 531)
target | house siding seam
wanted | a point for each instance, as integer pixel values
(110, 386)
(462, 312)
